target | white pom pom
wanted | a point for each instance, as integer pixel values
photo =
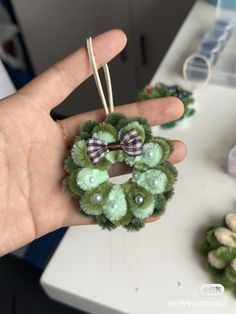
(214, 261)
(230, 220)
(225, 237)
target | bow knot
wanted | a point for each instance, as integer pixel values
(130, 143)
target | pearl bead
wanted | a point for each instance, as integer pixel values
(92, 180)
(148, 153)
(138, 199)
(96, 198)
(114, 205)
(154, 182)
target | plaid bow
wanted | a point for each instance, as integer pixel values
(130, 143)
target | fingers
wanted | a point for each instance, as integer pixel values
(54, 85)
(156, 111)
(179, 152)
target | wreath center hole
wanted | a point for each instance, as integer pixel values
(120, 169)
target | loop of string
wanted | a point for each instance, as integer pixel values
(110, 108)
(185, 67)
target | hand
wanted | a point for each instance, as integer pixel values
(32, 147)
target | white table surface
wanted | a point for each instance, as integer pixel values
(156, 269)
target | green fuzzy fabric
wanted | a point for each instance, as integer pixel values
(143, 122)
(80, 157)
(135, 224)
(69, 164)
(84, 176)
(143, 162)
(115, 118)
(89, 206)
(105, 128)
(145, 179)
(105, 223)
(116, 196)
(85, 179)
(139, 210)
(72, 184)
(160, 205)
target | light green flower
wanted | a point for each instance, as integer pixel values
(116, 205)
(141, 212)
(155, 181)
(151, 156)
(88, 179)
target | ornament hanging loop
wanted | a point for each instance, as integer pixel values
(108, 108)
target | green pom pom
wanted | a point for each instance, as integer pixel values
(88, 202)
(88, 179)
(135, 224)
(72, 184)
(136, 126)
(116, 206)
(80, 157)
(69, 164)
(105, 223)
(153, 180)
(104, 127)
(87, 127)
(115, 118)
(133, 194)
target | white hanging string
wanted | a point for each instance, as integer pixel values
(185, 67)
(98, 81)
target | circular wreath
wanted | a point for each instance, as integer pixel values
(128, 204)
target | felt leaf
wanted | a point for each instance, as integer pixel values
(72, 185)
(116, 206)
(88, 179)
(69, 164)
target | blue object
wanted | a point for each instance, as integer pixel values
(40, 251)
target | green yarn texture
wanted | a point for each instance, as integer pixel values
(128, 205)
(219, 247)
(162, 90)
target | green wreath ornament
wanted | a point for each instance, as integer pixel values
(145, 194)
(118, 139)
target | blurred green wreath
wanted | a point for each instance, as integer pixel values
(145, 194)
(160, 90)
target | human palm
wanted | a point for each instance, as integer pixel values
(33, 148)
